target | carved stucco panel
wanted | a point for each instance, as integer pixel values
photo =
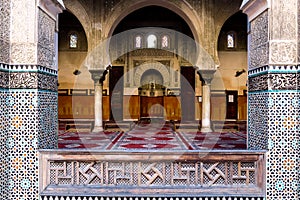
(46, 50)
(298, 31)
(4, 31)
(283, 20)
(46, 56)
(23, 21)
(23, 53)
(259, 47)
(4, 52)
(5, 20)
(259, 56)
(259, 31)
(283, 52)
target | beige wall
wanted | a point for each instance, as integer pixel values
(230, 62)
(68, 61)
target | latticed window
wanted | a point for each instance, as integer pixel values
(138, 42)
(165, 41)
(151, 41)
(230, 40)
(73, 41)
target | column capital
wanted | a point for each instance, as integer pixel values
(98, 75)
(206, 76)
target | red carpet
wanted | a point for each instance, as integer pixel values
(152, 137)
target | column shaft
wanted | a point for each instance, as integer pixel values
(98, 107)
(206, 77)
(206, 122)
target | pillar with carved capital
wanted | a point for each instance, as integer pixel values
(98, 76)
(206, 77)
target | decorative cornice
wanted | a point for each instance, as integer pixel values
(28, 77)
(254, 8)
(27, 68)
(52, 7)
(274, 69)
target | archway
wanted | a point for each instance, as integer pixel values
(75, 101)
(171, 34)
(232, 53)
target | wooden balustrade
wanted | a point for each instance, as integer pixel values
(93, 173)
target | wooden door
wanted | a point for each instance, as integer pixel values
(187, 93)
(231, 104)
(116, 87)
(152, 106)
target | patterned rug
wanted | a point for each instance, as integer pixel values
(153, 137)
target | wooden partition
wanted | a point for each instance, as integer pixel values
(131, 107)
(80, 107)
(172, 107)
(242, 107)
(218, 107)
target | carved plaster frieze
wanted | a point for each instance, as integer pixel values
(4, 79)
(32, 80)
(275, 81)
(46, 82)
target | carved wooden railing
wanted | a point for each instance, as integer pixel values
(152, 174)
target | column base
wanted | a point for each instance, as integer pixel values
(206, 129)
(97, 129)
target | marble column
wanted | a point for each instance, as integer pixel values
(206, 77)
(98, 77)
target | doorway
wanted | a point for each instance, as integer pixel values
(231, 104)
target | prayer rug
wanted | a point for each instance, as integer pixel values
(153, 138)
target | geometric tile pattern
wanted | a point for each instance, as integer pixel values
(274, 126)
(28, 121)
(257, 120)
(33, 122)
(4, 122)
